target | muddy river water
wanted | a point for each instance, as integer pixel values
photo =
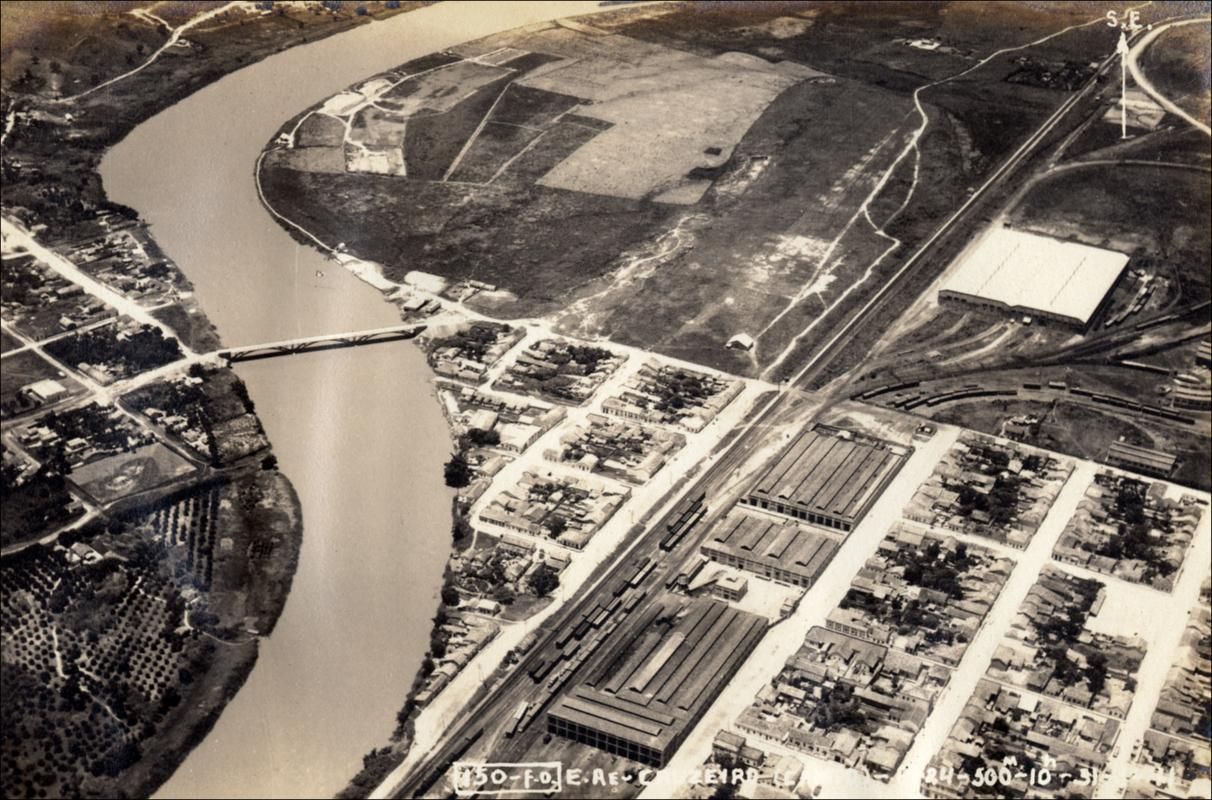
(357, 431)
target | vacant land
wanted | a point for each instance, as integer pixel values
(1177, 65)
(682, 176)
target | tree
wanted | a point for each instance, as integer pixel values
(450, 595)
(544, 580)
(481, 437)
(460, 528)
(504, 594)
(457, 471)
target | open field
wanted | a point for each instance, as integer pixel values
(8, 342)
(130, 473)
(1177, 64)
(672, 218)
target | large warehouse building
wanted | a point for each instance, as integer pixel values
(665, 671)
(827, 477)
(1017, 273)
(782, 551)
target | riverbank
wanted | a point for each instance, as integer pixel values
(52, 152)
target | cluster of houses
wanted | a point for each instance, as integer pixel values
(518, 423)
(1175, 758)
(505, 561)
(1170, 767)
(1098, 669)
(560, 370)
(566, 509)
(973, 481)
(119, 259)
(1047, 748)
(782, 774)
(180, 426)
(1094, 537)
(668, 395)
(43, 440)
(50, 303)
(465, 353)
(1182, 709)
(847, 700)
(948, 588)
(466, 635)
(633, 453)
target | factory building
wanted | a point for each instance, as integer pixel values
(641, 700)
(1036, 278)
(827, 477)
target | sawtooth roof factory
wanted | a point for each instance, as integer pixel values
(827, 477)
(1017, 273)
(781, 551)
(645, 697)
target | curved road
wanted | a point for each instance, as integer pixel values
(1142, 81)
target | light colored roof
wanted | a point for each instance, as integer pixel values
(1032, 272)
(46, 388)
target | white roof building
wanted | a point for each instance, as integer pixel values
(1026, 273)
(46, 390)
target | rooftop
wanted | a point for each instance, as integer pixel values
(660, 676)
(829, 472)
(1032, 272)
(781, 545)
(1141, 455)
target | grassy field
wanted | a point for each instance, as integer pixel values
(191, 326)
(754, 214)
(8, 342)
(1177, 64)
(130, 473)
(25, 368)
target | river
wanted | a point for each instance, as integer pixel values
(357, 431)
